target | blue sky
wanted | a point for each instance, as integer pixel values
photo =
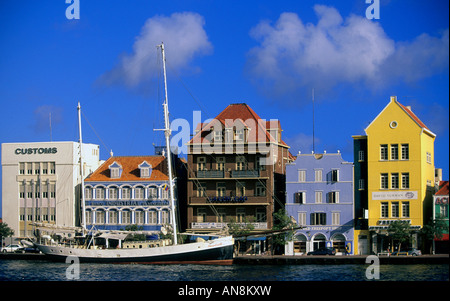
(268, 54)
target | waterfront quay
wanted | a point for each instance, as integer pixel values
(355, 259)
(293, 260)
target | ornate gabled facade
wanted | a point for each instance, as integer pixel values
(236, 169)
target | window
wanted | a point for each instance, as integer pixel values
(301, 219)
(405, 209)
(139, 217)
(361, 184)
(99, 193)
(21, 191)
(318, 218)
(300, 197)
(318, 197)
(240, 215)
(383, 152)
(37, 169)
(394, 151)
(29, 168)
(335, 175)
(152, 193)
(443, 211)
(239, 135)
(335, 218)
(360, 156)
(260, 190)
(115, 170)
(29, 189)
(241, 163)
(45, 191)
(52, 191)
(88, 193)
(395, 209)
(152, 217)
(126, 217)
(221, 216)
(113, 193)
(302, 176)
(428, 157)
(261, 215)
(318, 175)
(139, 193)
(384, 210)
(394, 181)
(52, 168)
(88, 217)
(201, 163)
(126, 193)
(220, 165)
(113, 216)
(384, 181)
(333, 197)
(145, 169)
(21, 168)
(218, 135)
(100, 217)
(405, 180)
(240, 189)
(45, 168)
(201, 189)
(201, 215)
(221, 189)
(405, 151)
(165, 219)
(258, 165)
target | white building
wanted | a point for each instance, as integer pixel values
(40, 183)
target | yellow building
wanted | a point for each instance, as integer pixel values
(400, 171)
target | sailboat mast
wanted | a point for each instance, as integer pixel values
(169, 156)
(83, 205)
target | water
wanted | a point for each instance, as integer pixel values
(37, 270)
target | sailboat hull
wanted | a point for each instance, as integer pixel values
(218, 251)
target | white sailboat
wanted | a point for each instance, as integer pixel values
(213, 251)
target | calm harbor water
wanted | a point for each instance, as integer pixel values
(37, 270)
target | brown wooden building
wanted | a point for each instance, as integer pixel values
(236, 171)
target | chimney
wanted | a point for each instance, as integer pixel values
(409, 108)
(393, 98)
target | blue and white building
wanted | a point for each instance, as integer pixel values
(319, 190)
(129, 191)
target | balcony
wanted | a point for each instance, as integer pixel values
(257, 226)
(245, 173)
(210, 174)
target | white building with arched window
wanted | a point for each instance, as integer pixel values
(128, 191)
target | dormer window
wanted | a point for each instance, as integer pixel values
(145, 169)
(115, 170)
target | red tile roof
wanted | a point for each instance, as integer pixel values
(413, 116)
(130, 169)
(444, 189)
(258, 128)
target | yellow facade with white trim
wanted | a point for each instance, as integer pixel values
(397, 125)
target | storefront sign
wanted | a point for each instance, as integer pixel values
(36, 150)
(127, 203)
(443, 200)
(394, 195)
(228, 199)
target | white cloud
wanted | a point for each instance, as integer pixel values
(184, 38)
(292, 56)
